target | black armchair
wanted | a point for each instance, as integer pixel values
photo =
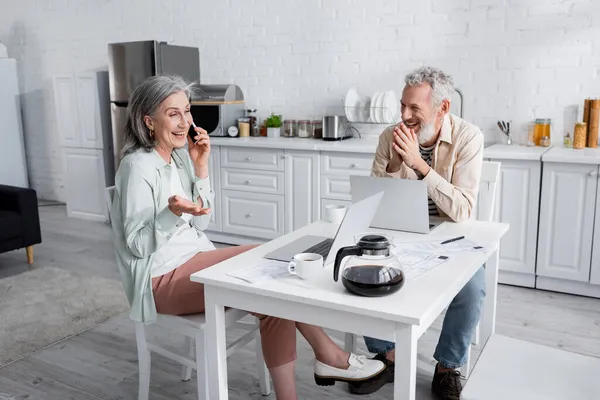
(19, 220)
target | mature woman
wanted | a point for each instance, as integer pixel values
(161, 206)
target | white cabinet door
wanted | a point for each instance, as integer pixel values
(86, 89)
(85, 184)
(567, 220)
(66, 108)
(595, 272)
(301, 189)
(252, 214)
(252, 158)
(214, 166)
(517, 200)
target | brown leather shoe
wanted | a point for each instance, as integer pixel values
(446, 385)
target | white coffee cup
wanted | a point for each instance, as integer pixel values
(306, 265)
(335, 213)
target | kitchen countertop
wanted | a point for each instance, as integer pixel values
(515, 152)
(368, 145)
(582, 156)
(353, 145)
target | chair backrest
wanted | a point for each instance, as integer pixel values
(490, 175)
(109, 193)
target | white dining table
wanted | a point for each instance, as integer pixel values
(401, 317)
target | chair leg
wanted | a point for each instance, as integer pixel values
(264, 379)
(144, 361)
(186, 373)
(29, 250)
(350, 342)
(201, 378)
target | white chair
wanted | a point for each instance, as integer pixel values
(490, 175)
(192, 328)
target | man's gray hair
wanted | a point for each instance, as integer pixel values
(441, 83)
(145, 100)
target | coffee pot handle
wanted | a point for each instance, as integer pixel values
(343, 253)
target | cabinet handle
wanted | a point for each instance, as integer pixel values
(248, 215)
(353, 165)
(593, 173)
(248, 182)
(248, 158)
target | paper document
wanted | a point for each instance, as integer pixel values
(436, 247)
(416, 263)
(262, 271)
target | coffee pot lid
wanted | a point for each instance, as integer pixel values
(374, 242)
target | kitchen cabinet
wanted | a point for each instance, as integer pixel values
(595, 266)
(81, 104)
(214, 166)
(301, 188)
(566, 227)
(517, 199)
(86, 183)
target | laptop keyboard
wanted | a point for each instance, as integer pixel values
(321, 248)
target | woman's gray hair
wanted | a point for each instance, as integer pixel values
(145, 100)
(441, 83)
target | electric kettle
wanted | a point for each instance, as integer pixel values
(369, 267)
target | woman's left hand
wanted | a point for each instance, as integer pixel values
(199, 148)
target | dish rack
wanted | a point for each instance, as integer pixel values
(386, 113)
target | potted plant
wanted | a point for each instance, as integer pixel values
(273, 123)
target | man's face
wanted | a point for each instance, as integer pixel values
(418, 112)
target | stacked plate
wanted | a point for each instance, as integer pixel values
(382, 108)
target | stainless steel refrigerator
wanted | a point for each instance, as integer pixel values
(131, 63)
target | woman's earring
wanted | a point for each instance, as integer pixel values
(151, 132)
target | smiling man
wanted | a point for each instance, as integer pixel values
(447, 153)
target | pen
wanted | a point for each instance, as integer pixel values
(453, 239)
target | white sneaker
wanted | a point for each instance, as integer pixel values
(361, 368)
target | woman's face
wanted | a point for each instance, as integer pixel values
(171, 122)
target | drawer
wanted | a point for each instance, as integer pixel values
(336, 187)
(252, 214)
(252, 181)
(251, 158)
(346, 163)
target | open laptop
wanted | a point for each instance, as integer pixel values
(357, 220)
(404, 206)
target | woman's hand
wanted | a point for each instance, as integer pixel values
(199, 149)
(178, 205)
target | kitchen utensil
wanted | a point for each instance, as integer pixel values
(306, 265)
(370, 269)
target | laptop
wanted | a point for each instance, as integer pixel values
(404, 206)
(357, 220)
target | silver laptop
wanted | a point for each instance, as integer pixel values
(404, 206)
(357, 220)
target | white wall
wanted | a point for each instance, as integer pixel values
(513, 59)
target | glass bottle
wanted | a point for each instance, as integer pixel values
(289, 128)
(304, 128)
(317, 129)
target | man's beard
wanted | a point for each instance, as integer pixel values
(426, 133)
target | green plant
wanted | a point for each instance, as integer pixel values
(273, 121)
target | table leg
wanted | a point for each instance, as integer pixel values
(216, 346)
(488, 325)
(405, 376)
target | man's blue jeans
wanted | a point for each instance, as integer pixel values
(459, 325)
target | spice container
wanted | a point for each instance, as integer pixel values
(567, 141)
(244, 126)
(545, 141)
(580, 135)
(317, 129)
(289, 128)
(541, 129)
(304, 129)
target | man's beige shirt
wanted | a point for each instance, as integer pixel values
(453, 180)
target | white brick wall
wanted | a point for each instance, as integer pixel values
(513, 59)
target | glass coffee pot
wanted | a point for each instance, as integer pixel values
(369, 267)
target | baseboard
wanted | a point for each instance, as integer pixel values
(566, 286)
(516, 279)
